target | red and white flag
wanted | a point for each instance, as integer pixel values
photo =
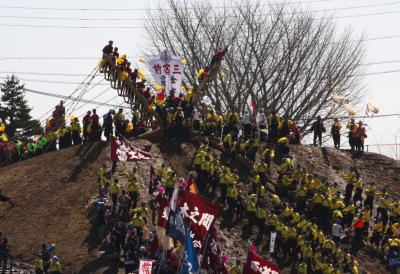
(199, 213)
(258, 265)
(122, 151)
(251, 104)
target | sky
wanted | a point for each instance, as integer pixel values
(26, 44)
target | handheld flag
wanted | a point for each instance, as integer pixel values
(122, 151)
(190, 264)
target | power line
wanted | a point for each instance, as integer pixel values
(139, 9)
(50, 81)
(43, 73)
(146, 19)
(75, 99)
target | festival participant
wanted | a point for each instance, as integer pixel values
(360, 135)
(114, 190)
(335, 133)
(352, 127)
(119, 122)
(39, 267)
(318, 128)
(55, 266)
(76, 131)
(108, 124)
(219, 54)
(86, 123)
(108, 49)
(95, 126)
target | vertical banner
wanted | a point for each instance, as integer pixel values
(272, 242)
(145, 267)
(167, 70)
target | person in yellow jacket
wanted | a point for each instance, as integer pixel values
(268, 155)
(383, 208)
(133, 189)
(142, 211)
(358, 192)
(39, 266)
(138, 223)
(232, 197)
(262, 171)
(302, 268)
(227, 142)
(352, 127)
(237, 269)
(170, 183)
(261, 216)
(55, 266)
(251, 208)
(114, 190)
(76, 131)
(102, 180)
(370, 192)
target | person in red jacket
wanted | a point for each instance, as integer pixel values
(85, 123)
(360, 134)
(94, 119)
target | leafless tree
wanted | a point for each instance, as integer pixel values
(284, 57)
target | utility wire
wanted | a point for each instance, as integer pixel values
(55, 95)
(43, 73)
(142, 9)
(147, 19)
(50, 81)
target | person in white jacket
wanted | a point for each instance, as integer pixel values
(261, 120)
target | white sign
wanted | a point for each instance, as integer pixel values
(272, 242)
(145, 267)
(167, 71)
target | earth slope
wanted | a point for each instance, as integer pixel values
(49, 196)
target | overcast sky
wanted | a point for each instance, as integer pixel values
(375, 18)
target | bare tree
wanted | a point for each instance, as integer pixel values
(284, 57)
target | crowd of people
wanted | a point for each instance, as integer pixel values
(319, 228)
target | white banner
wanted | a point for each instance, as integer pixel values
(272, 242)
(167, 71)
(145, 267)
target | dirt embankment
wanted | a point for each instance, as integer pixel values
(49, 195)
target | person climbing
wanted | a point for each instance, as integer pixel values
(107, 50)
(119, 122)
(114, 190)
(133, 189)
(318, 128)
(335, 133)
(219, 54)
(39, 267)
(177, 121)
(124, 202)
(232, 197)
(55, 266)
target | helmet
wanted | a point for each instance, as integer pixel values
(55, 258)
